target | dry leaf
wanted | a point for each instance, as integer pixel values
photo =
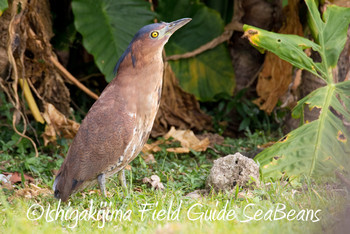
(154, 147)
(57, 124)
(187, 139)
(137, 189)
(154, 181)
(90, 192)
(276, 75)
(178, 150)
(16, 177)
(149, 158)
(214, 138)
(31, 30)
(290, 98)
(33, 191)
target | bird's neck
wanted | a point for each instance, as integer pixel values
(141, 74)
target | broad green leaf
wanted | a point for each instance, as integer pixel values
(3, 6)
(314, 19)
(287, 47)
(317, 148)
(322, 146)
(224, 7)
(108, 26)
(209, 73)
(331, 31)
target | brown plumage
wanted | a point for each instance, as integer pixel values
(120, 121)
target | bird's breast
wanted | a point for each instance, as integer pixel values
(142, 96)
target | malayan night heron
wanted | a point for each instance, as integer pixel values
(118, 124)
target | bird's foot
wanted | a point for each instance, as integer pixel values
(122, 179)
(102, 182)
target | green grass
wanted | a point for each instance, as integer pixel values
(180, 175)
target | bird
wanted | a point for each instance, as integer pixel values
(119, 123)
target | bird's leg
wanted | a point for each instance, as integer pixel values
(102, 182)
(122, 179)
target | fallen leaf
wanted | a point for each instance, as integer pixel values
(16, 177)
(92, 192)
(33, 191)
(149, 158)
(187, 139)
(154, 147)
(178, 150)
(137, 189)
(214, 138)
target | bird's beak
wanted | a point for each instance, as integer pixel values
(175, 25)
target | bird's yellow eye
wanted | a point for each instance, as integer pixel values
(154, 34)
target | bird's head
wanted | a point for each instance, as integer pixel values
(159, 33)
(148, 41)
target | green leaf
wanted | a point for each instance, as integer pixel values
(317, 148)
(224, 7)
(3, 6)
(206, 75)
(331, 31)
(108, 26)
(287, 47)
(209, 73)
(322, 146)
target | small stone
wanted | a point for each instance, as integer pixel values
(232, 170)
(154, 181)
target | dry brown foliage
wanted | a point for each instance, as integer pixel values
(276, 75)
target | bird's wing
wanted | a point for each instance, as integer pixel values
(102, 137)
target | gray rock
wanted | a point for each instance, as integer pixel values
(232, 170)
